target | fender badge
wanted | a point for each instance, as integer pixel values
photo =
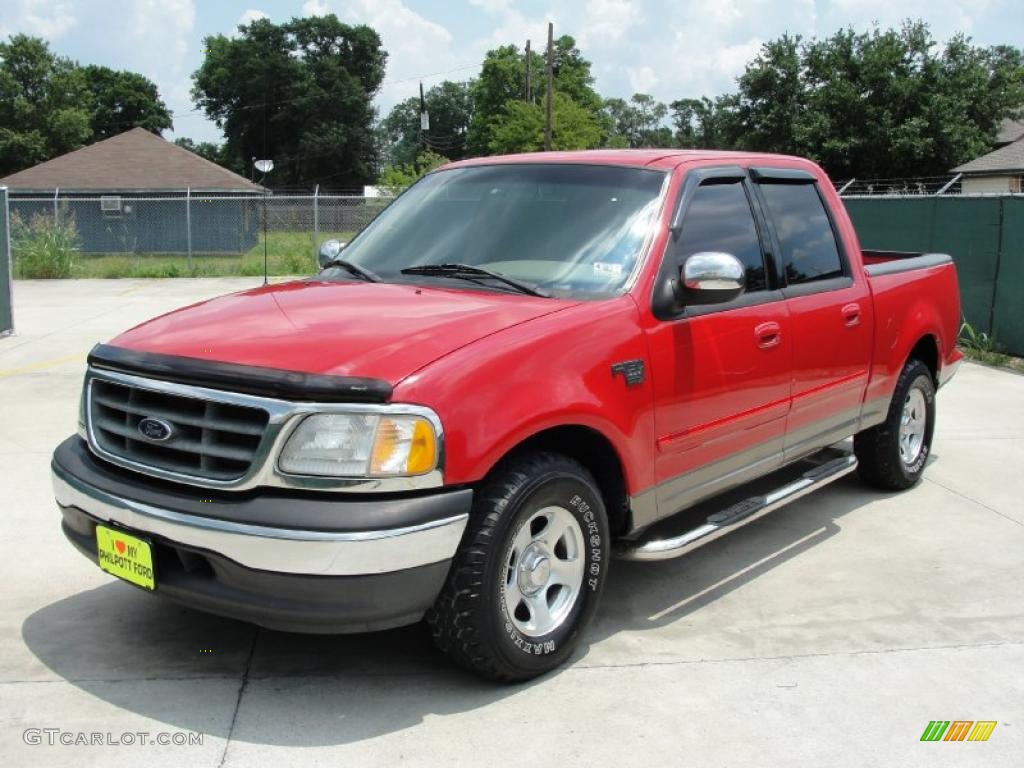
(632, 371)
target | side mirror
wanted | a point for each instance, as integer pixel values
(710, 277)
(329, 251)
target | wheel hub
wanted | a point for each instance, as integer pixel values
(534, 569)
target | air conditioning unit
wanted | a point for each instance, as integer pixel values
(110, 203)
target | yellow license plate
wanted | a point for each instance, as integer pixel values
(127, 557)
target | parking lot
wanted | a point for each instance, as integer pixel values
(828, 633)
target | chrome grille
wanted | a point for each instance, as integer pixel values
(210, 439)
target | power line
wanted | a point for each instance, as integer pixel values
(199, 112)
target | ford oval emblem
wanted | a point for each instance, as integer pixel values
(157, 430)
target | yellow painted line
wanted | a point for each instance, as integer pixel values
(131, 290)
(41, 366)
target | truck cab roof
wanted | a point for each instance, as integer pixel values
(665, 159)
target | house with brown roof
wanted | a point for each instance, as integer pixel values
(1002, 169)
(139, 192)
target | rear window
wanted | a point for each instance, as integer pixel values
(809, 250)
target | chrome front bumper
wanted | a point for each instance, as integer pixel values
(281, 550)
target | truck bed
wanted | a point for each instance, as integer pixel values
(890, 262)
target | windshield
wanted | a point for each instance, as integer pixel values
(574, 230)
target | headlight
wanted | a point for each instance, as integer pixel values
(360, 445)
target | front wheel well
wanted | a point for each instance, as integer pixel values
(595, 452)
(927, 351)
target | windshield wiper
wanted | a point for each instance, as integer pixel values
(354, 269)
(470, 272)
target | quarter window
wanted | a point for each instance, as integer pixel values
(719, 219)
(809, 250)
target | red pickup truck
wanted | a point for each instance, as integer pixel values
(523, 367)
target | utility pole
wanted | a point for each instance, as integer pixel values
(529, 73)
(424, 118)
(550, 86)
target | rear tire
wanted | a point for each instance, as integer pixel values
(892, 455)
(529, 572)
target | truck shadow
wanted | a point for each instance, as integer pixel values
(185, 669)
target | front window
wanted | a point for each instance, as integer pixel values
(569, 230)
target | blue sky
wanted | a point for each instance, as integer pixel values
(670, 48)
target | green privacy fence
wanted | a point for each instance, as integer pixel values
(6, 320)
(984, 235)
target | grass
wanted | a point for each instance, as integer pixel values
(994, 359)
(288, 253)
(983, 348)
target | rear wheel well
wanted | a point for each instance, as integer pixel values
(594, 451)
(927, 351)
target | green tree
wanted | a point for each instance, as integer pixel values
(206, 149)
(299, 93)
(395, 178)
(503, 80)
(42, 104)
(702, 123)
(638, 122)
(772, 98)
(619, 119)
(520, 128)
(118, 101)
(571, 74)
(885, 103)
(50, 105)
(450, 106)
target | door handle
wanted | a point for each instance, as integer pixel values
(768, 335)
(851, 315)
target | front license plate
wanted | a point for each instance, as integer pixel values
(127, 557)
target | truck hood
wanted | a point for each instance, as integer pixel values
(378, 330)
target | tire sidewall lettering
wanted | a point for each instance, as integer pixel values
(593, 546)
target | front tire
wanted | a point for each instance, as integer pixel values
(529, 572)
(892, 455)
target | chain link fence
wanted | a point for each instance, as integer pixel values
(188, 233)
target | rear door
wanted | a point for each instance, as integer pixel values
(721, 372)
(830, 311)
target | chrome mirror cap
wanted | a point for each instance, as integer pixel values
(329, 251)
(711, 277)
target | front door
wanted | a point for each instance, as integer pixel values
(721, 373)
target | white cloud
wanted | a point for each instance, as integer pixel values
(315, 8)
(492, 6)
(43, 18)
(642, 79)
(608, 21)
(249, 15)
(416, 45)
(946, 16)
(156, 38)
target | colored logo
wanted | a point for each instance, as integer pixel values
(156, 430)
(958, 730)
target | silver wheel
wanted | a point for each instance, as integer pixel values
(912, 426)
(544, 571)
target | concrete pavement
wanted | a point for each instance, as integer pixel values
(828, 633)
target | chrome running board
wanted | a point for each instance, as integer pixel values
(739, 514)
